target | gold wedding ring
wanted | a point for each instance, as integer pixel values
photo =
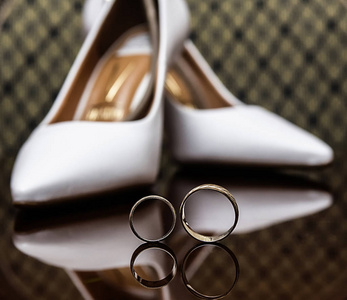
(152, 197)
(198, 236)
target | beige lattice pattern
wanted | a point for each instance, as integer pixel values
(284, 55)
(39, 41)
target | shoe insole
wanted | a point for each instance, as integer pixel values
(187, 84)
(178, 89)
(121, 84)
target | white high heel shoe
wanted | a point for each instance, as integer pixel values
(206, 123)
(104, 130)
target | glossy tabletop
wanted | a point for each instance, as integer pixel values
(289, 243)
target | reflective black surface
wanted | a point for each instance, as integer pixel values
(290, 241)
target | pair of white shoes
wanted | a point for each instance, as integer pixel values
(105, 128)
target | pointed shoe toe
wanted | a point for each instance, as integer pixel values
(279, 142)
(241, 135)
(205, 123)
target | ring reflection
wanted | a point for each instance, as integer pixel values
(202, 267)
(153, 265)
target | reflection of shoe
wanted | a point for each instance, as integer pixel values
(208, 124)
(69, 235)
(45, 232)
(73, 153)
(264, 200)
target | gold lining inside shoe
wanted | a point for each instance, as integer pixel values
(114, 89)
(121, 19)
(187, 83)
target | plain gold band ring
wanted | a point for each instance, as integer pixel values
(152, 197)
(201, 237)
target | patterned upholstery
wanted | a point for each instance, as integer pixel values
(287, 56)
